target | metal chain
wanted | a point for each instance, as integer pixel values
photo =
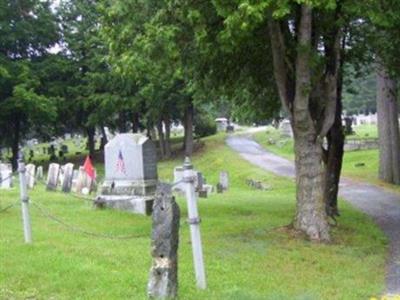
(80, 230)
(9, 206)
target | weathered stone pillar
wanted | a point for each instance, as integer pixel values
(163, 280)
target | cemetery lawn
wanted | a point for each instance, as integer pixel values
(283, 146)
(249, 253)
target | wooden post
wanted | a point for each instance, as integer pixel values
(194, 223)
(24, 202)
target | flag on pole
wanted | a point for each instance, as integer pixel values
(89, 169)
(121, 163)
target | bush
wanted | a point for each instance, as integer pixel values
(204, 126)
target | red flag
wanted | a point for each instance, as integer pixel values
(89, 169)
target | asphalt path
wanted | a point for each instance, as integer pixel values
(382, 205)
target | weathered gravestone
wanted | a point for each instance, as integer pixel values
(52, 176)
(163, 279)
(67, 180)
(39, 173)
(30, 175)
(5, 176)
(285, 128)
(130, 174)
(84, 184)
(224, 180)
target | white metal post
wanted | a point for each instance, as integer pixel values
(24, 202)
(194, 222)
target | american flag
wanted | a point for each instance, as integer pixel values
(121, 163)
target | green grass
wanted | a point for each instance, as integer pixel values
(283, 146)
(248, 254)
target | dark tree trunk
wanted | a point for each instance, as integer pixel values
(161, 140)
(91, 142)
(135, 122)
(122, 122)
(335, 151)
(104, 139)
(334, 160)
(388, 128)
(15, 142)
(188, 139)
(167, 123)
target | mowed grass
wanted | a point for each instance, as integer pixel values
(248, 252)
(359, 165)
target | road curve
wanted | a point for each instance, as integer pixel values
(382, 205)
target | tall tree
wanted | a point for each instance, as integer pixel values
(27, 30)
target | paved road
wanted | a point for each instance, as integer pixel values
(382, 205)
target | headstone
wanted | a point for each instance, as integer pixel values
(84, 184)
(39, 173)
(66, 184)
(285, 128)
(224, 180)
(74, 181)
(52, 176)
(130, 173)
(30, 175)
(220, 189)
(5, 176)
(199, 182)
(163, 279)
(208, 188)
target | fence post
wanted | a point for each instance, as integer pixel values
(24, 202)
(194, 223)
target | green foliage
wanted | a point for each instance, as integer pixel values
(204, 125)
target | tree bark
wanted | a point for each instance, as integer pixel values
(167, 123)
(388, 127)
(188, 126)
(161, 139)
(135, 122)
(310, 217)
(91, 142)
(15, 143)
(104, 139)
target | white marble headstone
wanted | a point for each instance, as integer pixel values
(30, 175)
(52, 176)
(5, 176)
(130, 157)
(66, 183)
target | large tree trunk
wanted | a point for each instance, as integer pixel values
(161, 139)
(388, 127)
(167, 123)
(91, 142)
(188, 126)
(334, 160)
(310, 214)
(310, 217)
(135, 122)
(335, 151)
(15, 142)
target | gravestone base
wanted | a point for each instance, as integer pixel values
(135, 204)
(129, 187)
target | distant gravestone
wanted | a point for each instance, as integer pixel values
(39, 173)
(285, 128)
(163, 279)
(84, 184)
(224, 180)
(66, 184)
(64, 149)
(30, 175)
(5, 176)
(52, 176)
(74, 180)
(130, 173)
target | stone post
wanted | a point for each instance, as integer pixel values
(163, 279)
